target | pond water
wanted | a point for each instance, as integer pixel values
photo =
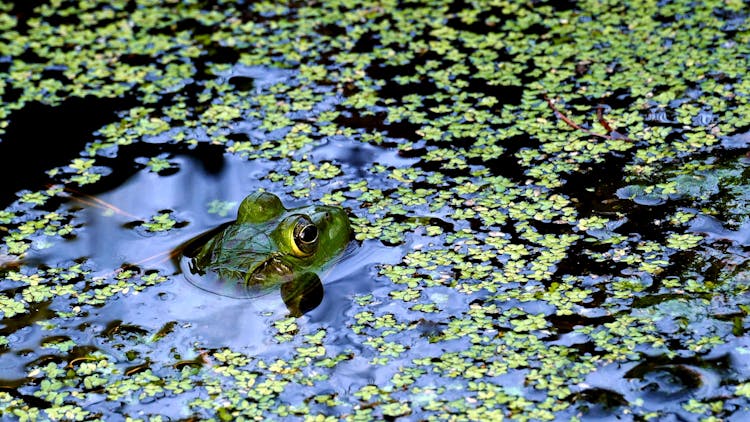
(110, 237)
(549, 202)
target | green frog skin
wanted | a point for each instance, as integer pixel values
(269, 245)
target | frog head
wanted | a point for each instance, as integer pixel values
(269, 245)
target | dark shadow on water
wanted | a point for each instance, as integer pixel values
(303, 294)
(41, 137)
(659, 383)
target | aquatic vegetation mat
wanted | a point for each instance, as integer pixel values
(550, 203)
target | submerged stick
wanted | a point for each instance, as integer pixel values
(576, 126)
(600, 116)
(98, 203)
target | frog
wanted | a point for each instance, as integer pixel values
(269, 246)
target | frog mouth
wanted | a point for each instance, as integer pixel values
(271, 270)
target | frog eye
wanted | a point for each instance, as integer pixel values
(304, 237)
(259, 207)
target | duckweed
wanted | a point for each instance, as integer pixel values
(561, 189)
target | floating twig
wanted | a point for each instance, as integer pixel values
(600, 117)
(162, 257)
(80, 359)
(136, 369)
(98, 203)
(169, 254)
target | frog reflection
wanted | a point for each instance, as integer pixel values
(270, 246)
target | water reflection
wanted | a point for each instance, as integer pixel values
(173, 320)
(659, 383)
